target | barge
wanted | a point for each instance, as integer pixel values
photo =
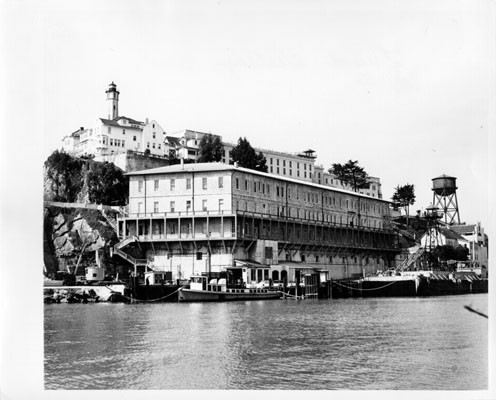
(411, 283)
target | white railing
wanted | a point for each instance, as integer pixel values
(184, 235)
(176, 214)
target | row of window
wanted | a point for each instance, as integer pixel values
(309, 197)
(153, 145)
(278, 172)
(172, 206)
(172, 184)
(109, 129)
(290, 163)
(117, 142)
(344, 260)
(172, 228)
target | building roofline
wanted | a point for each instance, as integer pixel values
(216, 167)
(265, 151)
(114, 122)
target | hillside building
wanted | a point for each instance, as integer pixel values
(470, 236)
(113, 138)
(185, 144)
(115, 134)
(299, 166)
(477, 242)
(192, 218)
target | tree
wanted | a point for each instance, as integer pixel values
(63, 174)
(404, 197)
(462, 253)
(210, 149)
(352, 174)
(247, 157)
(107, 184)
(444, 254)
(261, 163)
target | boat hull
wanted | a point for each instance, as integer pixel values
(161, 293)
(186, 295)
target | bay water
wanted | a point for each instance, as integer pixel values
(409, 343)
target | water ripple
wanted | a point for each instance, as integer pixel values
(407, 343)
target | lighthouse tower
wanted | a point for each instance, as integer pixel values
(113, 101)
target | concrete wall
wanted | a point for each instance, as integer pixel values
(185, 265)
(132, 161)
(259, 253)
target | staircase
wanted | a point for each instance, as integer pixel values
(135, 261)
(407, 263)
(123, 243)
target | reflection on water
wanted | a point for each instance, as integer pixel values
(383, 343)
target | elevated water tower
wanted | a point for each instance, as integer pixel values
(444, 188)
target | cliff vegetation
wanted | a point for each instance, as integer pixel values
(83, 180)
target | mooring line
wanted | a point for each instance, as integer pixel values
(144, 301)
(352, 288)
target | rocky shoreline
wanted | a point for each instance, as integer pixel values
(84, 294)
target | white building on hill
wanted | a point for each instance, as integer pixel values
(115, 134)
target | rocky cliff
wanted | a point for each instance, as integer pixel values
(77, 236)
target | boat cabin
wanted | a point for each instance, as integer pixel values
(202, 282)
(252, 274)
(239, 277)
(158, 277)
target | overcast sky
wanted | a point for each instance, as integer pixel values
(406, 88)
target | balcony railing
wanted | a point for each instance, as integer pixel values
(177, 214)
(186, 236)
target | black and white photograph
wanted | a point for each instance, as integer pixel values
(247, 198)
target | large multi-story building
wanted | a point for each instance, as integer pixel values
(187, 217)
(302, 166)
(116, 134)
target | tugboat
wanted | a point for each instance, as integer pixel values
(230, 286)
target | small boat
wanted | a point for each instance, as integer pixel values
(201, 289)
